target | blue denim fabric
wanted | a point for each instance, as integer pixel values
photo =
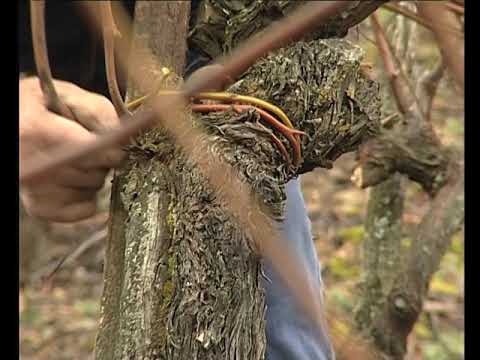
(289, 334)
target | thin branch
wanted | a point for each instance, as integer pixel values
(79, 250)
(432, 324)
(427, 87)
(58, 336)
(388, 120)
(110, 31)
(406, 82)
(391, 69)
(451, 47)
(39, 39)
(428, 23)
(366, 37)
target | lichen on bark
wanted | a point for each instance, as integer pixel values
(382, 250)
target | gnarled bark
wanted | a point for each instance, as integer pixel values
(182, 279)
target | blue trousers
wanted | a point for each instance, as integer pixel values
(290, 336)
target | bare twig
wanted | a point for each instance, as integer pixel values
(393, 72)
(432, 324)
(396, 62)
(366, 37)
(452, 47)
(427, 87)
(37, 11)
(386, 121)
(79, 250)
(110, 31)
(58, 336)
(428, 23)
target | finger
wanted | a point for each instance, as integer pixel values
(93, 179)
(76, 212)
(51, 202)
(93, 111)
(107, 159)
(69, 213)
(55, 195)
(63, 131)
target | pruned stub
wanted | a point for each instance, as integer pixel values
(322, 89)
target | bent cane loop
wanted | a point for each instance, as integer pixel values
(54, 103)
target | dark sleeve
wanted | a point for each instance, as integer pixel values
(75, 53)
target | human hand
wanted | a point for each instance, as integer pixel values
(68, 193)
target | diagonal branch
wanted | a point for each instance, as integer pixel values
(427, 87)
(451, 47)
(428, 23)
(397, 85)
(110, 31)
(37, 11)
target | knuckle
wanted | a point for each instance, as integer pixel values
(66, 87)
(115, 158)
(101, 104)
(33, 208)
(78, 212)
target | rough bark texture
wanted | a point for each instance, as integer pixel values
(222, 24)
(382, 249)
(181, 277)
(416, 154)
